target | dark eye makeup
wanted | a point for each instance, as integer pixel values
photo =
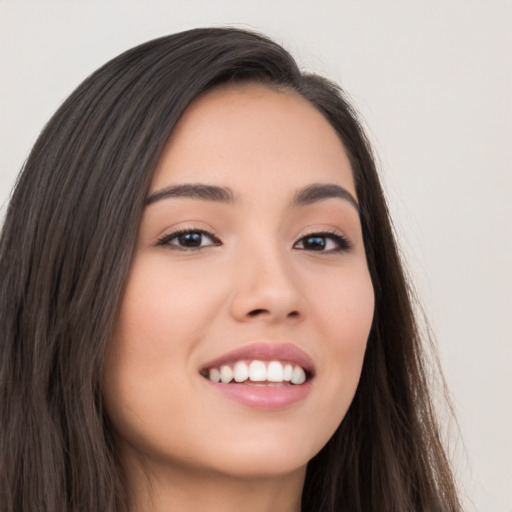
(190, 239)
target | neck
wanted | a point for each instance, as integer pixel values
(189, 490)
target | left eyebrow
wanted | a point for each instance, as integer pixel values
(321, 191)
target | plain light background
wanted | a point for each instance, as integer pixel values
(433, 82)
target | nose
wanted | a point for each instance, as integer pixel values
(266, 289)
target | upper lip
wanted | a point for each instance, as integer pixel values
(264, 351)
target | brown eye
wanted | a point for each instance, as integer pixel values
(323, 242)
(189, 240)
(314, 243)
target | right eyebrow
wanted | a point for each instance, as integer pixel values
(194, 191)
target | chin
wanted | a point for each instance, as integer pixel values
(265, 452)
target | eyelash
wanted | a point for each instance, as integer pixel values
(343, 244)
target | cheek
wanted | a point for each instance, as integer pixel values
(344, 306)
(344, 314)
(163, 316)
(164, 311)
(351, 326)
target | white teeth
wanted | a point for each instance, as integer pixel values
(240, 371)
(257, 371)
(275, 372)
(226, 374)
(214, 375)
(298, 375)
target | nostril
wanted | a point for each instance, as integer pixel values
(256, 312)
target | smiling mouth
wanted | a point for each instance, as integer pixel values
(262, 375)
(258, 373)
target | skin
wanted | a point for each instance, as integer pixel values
(184, 446)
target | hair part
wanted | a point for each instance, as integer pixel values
(65, 253)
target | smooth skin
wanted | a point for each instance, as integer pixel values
(210, 275)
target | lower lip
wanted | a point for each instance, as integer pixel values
(261, 396)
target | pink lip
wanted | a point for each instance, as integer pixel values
(262, 397)
(265, 352)
(265, 397)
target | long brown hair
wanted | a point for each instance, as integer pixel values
(65, 252)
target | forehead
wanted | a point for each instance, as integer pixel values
(245, 133)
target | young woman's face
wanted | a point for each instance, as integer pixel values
(249, 264)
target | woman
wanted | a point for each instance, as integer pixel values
(202, 301)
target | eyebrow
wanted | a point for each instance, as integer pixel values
(308, 195)
(321, 191)
(194, 191)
